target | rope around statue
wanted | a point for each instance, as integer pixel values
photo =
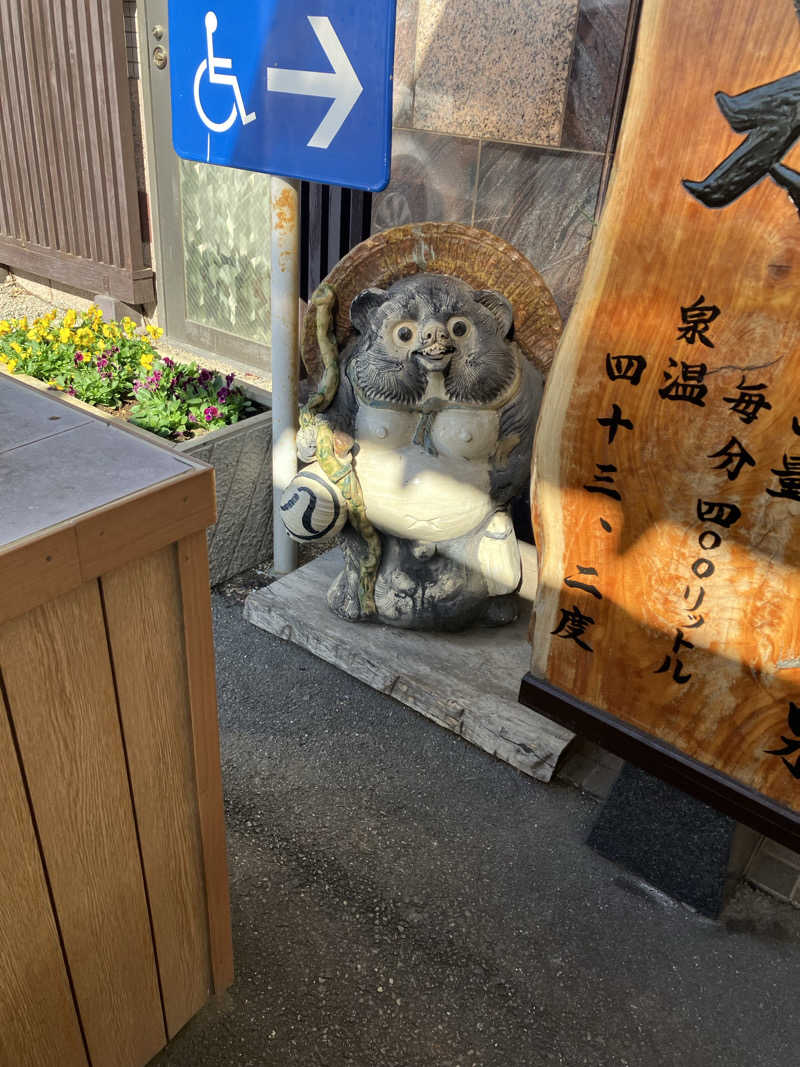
(333, 455)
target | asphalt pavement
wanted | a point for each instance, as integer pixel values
(402, 899)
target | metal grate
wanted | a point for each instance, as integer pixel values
(333, 220)
(131, 40)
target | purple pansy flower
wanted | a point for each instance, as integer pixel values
(211, 413)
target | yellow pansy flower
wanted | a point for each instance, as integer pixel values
(65, 335)
(17, 348)
(154, 331)
(12, 364)
(70, 318)
(85, 336)
(5, 327)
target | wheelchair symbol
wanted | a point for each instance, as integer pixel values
(213, 64)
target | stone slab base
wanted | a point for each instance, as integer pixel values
(466, 682)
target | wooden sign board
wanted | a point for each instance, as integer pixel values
(667, 460)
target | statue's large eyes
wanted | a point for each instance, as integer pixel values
(404, 332)
(459, 327)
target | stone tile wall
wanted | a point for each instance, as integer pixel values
(502, 112)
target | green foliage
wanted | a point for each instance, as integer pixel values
(111, 364)
(179, 398)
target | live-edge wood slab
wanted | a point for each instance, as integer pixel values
(667, 458)
(466, 682)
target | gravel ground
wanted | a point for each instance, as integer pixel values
(401, 899)
(16, 302)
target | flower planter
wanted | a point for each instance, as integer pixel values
(241, 456)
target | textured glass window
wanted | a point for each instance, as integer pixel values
(226, 240)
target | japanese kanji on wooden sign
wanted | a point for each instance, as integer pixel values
(667, 461)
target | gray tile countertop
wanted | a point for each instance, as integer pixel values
(57, 462)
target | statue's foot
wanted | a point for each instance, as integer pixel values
(343, 597)
(500, 610)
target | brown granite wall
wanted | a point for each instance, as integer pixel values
(502, 114)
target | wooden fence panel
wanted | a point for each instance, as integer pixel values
(69, 207)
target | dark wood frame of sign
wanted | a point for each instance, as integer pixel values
(662, 760)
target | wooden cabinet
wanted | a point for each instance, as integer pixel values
(114, 912)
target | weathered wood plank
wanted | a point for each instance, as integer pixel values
(37, 570)
(199, 645)
(30, 953)
(145, 632)
(65, 717)
(117, 533)
(465, 682)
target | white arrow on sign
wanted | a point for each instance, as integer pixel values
(342, 84)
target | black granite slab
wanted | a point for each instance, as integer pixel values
(676, 843)
(596, 59)
(542, 201)
(433, 180)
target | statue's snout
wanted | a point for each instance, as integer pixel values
(436, 345)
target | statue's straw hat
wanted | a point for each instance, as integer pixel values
(478, 258)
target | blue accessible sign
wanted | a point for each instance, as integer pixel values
(271, 87)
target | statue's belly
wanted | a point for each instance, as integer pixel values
(412, 494)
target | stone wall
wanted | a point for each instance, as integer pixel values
(502, 114)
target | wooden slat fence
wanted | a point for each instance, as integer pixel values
(69, 208)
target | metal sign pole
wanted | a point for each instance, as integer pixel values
(229, 110)
(284, 291)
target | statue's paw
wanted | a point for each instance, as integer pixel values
(323, 296)
(343, 598)
(500, 610)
